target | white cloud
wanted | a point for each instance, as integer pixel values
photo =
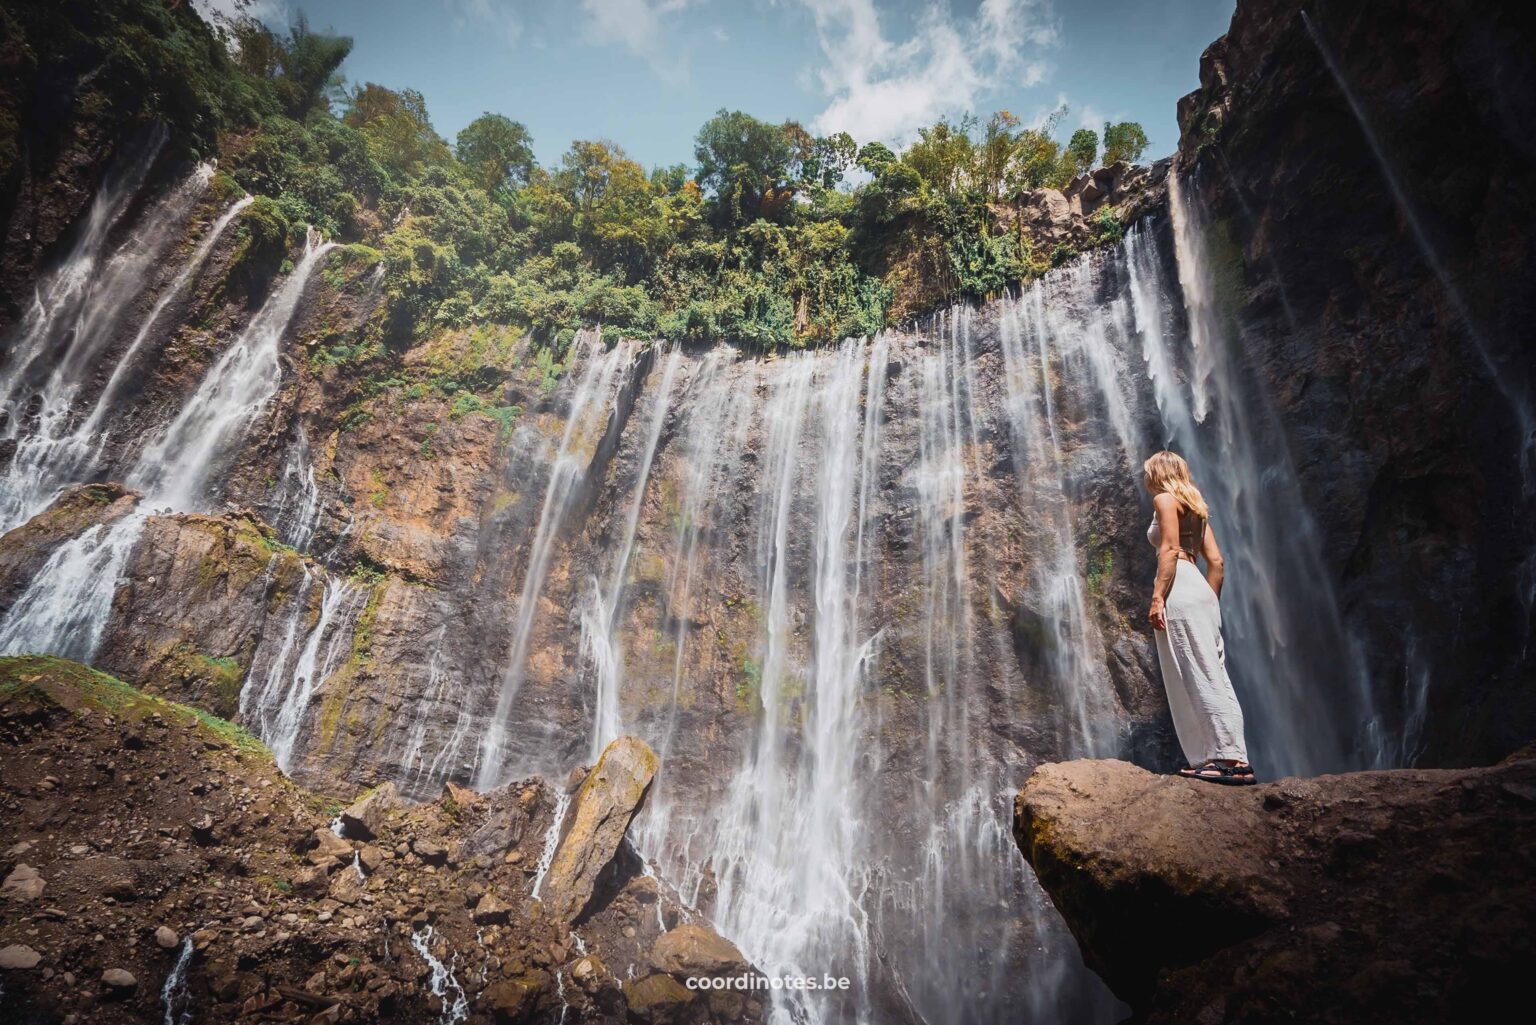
(272, 12)
(638, 26)
(879, 88)
(500, 16)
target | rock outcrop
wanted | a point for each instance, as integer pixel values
(1393, 896)
(599, 819)
(1374, 253)
(172, 828)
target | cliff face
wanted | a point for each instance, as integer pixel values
(1370, 897)
(1375, 225)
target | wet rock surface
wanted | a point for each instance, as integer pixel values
(283, 918)
(1404, 895)
(1381, 283)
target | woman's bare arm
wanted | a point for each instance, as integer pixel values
(1167, 509)
(1214, 567)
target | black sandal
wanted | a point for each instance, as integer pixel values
(1213, 771)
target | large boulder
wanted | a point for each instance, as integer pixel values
(694, 950)
(364, 818)
(658, 999)
(599, 817)
(1048, 214)
(1389, 896)
(23, 883)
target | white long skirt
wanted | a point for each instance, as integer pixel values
(1206, 715)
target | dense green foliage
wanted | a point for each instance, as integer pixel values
(773, 237)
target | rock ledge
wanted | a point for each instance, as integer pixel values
(1391, 896)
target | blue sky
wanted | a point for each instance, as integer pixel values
(647, 73)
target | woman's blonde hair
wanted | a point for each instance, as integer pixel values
(1168, 473)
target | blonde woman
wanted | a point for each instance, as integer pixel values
(1186, 620)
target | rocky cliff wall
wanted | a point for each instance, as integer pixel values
(1375, 224)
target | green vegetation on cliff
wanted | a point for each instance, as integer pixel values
(35, 684)
(772, 237)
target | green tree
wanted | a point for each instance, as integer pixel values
(1037, 156)
(996, 152)
(874, 156)
(497, 152)
(309, 62)
(1084, 147)
(1123, 141)
(944, 154)
(745, 166)
(616, 213)
(396, 127)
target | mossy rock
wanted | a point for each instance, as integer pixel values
(39, 687)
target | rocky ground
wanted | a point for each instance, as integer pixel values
(1396, 896)
(154, 862)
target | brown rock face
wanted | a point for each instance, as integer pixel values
(600, 815)
(1369, 897)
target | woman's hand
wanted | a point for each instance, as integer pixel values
(1158, 614)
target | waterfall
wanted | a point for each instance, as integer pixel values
(175, 468)
(600, 635)
(174, 994)
(65, 307)
(442, 690)
(275, 706)
(899, 660)
(442, 981)
(65, 608)
(715, 437)
(1031, 332)
(56, 444)
(551, 841)
(298, 510)
(584, 426)
(1282, 623)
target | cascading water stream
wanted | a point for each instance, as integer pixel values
(174, 994)
(441, 691)
(1280, 637)
(60, 443)
(175, 469)
(1073, 651)
(583, 428)
(600, 634)
(65, 301)
(93, 429)
(298, 510)
(551, 841)
(275, 707)
(65, 608)
(442, 979)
